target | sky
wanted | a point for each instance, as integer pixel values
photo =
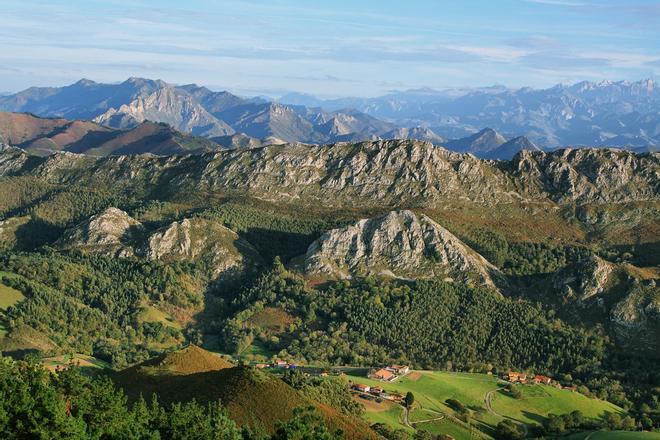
(329, 48)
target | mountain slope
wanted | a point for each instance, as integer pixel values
(479, 144)
(170, 106)
(44, 136)
(510, 148)
(193, 109)
(587, 113)
(374, 174)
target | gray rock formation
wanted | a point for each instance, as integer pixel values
(584, 279)
(217, 247)
(399, 244)
(112, 233)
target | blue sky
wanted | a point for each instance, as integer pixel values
(329, 48)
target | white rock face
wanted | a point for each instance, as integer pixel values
(111, 233)
(399, 244)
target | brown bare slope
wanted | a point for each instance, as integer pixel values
(253, 398)
(43, 136)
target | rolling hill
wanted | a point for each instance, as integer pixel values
(253, 399)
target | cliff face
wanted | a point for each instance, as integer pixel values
(399, 244)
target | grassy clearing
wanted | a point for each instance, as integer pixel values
(390, 417)
(9, 297)
(84, 361)
(152, 314)
(257, 352)
(536, 405)
(446, 426)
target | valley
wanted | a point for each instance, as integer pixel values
(546, 263)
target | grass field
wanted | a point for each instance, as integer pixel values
(534, 406)
(152, 314)
(432, 389)
(614, 435)
(8, 297)
(84, 361)
(446, 426)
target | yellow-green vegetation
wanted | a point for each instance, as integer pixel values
(390, 415)
(433, 389)
(152, 314)
(614, 435)
(541, 400)
(83, 361)
(8, 298)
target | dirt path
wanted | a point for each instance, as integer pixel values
(405, 418)
(488, 399)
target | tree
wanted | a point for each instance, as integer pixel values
(305, 425)
(508, 430)
(410, 399)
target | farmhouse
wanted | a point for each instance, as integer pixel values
(383, 374)
(399, 369)
(539, 378)
(262, 366)
(361, 388)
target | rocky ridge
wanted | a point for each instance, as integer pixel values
(380, 173)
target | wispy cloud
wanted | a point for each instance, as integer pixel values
(556, 2)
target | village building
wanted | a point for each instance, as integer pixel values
(514, 377)
(383, 374)
(376, 391)
(399, 369)
(361, 387)
(539, 378)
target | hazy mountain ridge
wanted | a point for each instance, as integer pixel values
(193, 109)
(606, 113)
(619, 114)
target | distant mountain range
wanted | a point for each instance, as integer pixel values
(193, 109)
(592, 114)
(620, 114)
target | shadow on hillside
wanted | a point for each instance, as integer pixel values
(36, 233)
(532, 416)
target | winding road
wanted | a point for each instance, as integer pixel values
(488, 399)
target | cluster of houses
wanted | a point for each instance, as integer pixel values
(377, 392)
(278, 363)
(515, 377)
(388, 374)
